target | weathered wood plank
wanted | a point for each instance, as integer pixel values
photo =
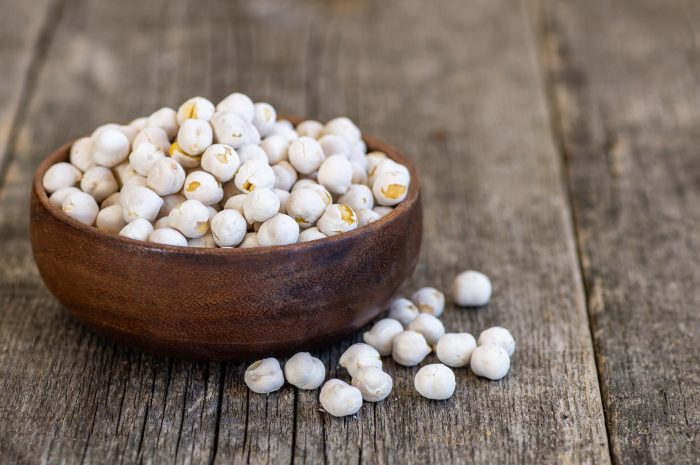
(25, 30)
(625, 92)
(474, 119)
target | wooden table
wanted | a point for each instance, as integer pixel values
(558, 144)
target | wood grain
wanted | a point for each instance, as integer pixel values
(625, 86)
(25, 31)
(457, 88)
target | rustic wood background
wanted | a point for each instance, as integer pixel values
(558, 144)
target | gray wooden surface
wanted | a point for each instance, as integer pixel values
(557, 147)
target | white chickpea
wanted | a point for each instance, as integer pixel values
(221, 161)
(81, 206)
(335, 174)
(205, 242)
(390, 188)
(410, 348)
(343, 127)
(365, 217)
(111, 148)
(359, 173)
(250, 241)
(382, 211)
(264, 376)
(265, 117)
(285, 175)
(305, 155)
(114, 199)
(498, 336)
(168, 236)
(260, 205)
(163, 222)
(239, 104)
(144, 156)
(165, 118)
(306, 207)
(305, 371)
(139, 230)
(358, 197)
(373, 159)
(130, 132)
(322, 192)
(340, 399)
(382, 334)
(373, 383)
(170, 202)
(311, 234)
(490, 361)
(388, 165)
(194, 136)
(56, 199)
(99, 182)
(191, 218)
(231, 129)
(285, 129)
(136, 180)
(337, 219)
(305, 183)
(430, 327)
(403, 310)
(429, 300)
(110, 219)
(278, 230)
(139, 123)
(195, 108)
(283, 197)
(455, 349)
(123, 172)
(202, 186)
(140, 202)
(253, 174)
(358, 150)
(334, 145)
(359, 356)
(309, 128)
(183, 158)
(276, 148)
(359, 156)
(252, 152)
(236, 203)
(154, 135)
(59, 176)
(228, 228)
(81, 153)
(213, 210)
(471, 289)
(102, 127)
(435, 381)
(165, 177)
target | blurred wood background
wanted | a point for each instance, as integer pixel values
(558, 148)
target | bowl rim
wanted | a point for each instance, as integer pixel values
(373, 144)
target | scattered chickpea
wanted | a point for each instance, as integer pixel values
(374, 384)
(264, 376)
(304, 371)
(429, 300)
(435, 381)
(409, 348)
(381, 336)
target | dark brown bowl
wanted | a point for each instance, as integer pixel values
(225, 304)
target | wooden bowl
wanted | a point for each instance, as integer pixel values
(225, 304)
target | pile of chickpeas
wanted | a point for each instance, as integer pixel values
(409, 333)
(226, 175)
